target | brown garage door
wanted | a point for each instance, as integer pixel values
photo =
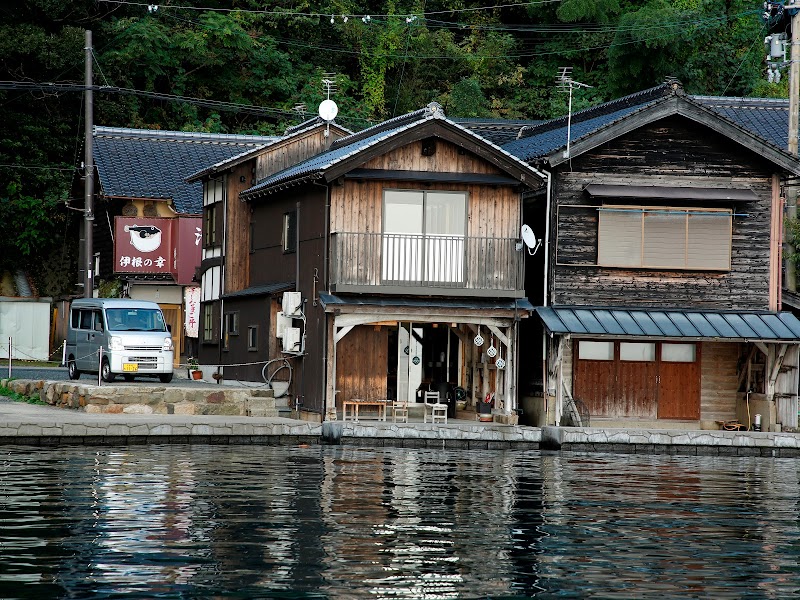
(644, 380)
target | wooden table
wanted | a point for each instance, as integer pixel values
(354, 404)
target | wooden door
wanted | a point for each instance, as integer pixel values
(362, 364)
(594, 377)
(636, 380)
(679, 381)
(172, 316)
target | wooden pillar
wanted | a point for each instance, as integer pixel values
(330, 367)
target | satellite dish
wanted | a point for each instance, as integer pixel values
(328, 110)
(529, 238)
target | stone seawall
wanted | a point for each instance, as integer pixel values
(148, 400)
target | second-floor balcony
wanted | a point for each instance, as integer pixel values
(398, 263)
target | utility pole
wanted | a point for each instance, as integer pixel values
(88, 209)
(794, 101)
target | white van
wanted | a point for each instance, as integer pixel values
(133, 335)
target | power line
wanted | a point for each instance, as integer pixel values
(285, 13)
(57, 87)
(42, 167)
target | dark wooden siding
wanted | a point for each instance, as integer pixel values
(270, 264)
(237, 230)
(671, 152)
(253, 311)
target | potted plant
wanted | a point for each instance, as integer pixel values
(194, 369)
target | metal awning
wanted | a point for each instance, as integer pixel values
(521, 305)
(655, 323)
(657, 192)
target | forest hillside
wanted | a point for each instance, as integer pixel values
(247, 66)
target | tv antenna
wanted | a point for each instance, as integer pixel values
(327, 108)
(565, 83)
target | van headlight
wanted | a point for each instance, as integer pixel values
(167, 345)
(115, 343)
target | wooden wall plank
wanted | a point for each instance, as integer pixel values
(718, 381)
(362, 363)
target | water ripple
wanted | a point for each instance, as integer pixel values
(339, 522)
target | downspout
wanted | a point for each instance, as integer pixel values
(326, 287)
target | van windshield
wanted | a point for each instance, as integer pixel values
(135, 319)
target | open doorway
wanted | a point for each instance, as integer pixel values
(422, 356)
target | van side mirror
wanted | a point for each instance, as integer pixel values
(169, 327)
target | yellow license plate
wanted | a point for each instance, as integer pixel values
(130, 367)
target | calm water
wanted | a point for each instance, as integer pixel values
(333, 522)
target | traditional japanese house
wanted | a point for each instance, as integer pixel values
(147, 219)
(240, 298)
(387, 257)
(663, 263)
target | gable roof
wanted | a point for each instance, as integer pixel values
(290, 133)
(143, 163)
(351, 151)
(760, 125)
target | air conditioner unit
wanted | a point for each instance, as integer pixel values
(291, 339)
(281, 323)
(292, 304)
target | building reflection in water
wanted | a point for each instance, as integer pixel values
(343, 522)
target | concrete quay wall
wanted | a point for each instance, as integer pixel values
(665, 441)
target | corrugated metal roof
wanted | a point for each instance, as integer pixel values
(520, 304)
(261, 290)
(652, 322)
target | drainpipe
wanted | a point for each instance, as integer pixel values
(324, 285)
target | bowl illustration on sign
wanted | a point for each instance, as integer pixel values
(145, 238)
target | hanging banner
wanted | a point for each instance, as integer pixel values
(191, 310)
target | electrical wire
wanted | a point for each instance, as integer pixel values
(284, 13)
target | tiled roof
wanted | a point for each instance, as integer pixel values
(768, 118)
(644, 322)
(762, 117)
(547, 137)
(497, 131)
(140, 163)
(346, 147)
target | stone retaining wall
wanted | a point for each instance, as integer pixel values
(147, 400)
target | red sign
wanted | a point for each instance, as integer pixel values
(157, 245)
(143, 245)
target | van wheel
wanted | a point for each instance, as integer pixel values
(165, 378)
(105, 372)
(72, 369)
